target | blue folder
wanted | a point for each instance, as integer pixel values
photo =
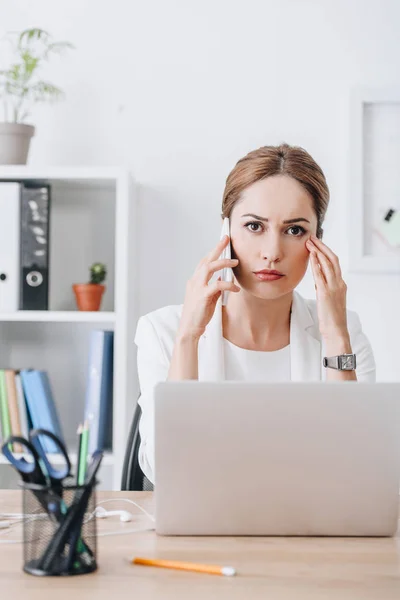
(99, 390)
(41, 406)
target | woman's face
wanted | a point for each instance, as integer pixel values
(260, 244)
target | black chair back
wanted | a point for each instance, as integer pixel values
(133, 477)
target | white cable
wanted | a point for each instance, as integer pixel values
(45, 516)
(20, 517)
(28, 519)
(5, 526)
(151, 517)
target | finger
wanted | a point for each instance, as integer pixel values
(221, 286)
(327, 269)
(215, 252)
(208, 270)
(316, 271)
(328, 252)
(217, 265)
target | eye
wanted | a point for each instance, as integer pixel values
(256, 223)
(299, 228)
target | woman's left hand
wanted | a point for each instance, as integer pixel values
(331, 289)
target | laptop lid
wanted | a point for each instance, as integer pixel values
(247, 458)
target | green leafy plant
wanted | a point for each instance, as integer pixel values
(20, 85)
(98, 273)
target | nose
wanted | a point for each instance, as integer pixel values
(272, 247)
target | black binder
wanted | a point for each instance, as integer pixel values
(34, 264)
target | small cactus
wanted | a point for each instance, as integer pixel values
(98, 272)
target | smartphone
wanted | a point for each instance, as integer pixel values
(226, 273)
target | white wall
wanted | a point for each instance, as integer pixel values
(179, 90)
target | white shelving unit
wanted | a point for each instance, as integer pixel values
(92, 218)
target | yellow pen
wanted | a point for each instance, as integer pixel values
(185, 566)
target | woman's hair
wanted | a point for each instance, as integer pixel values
(267, 161)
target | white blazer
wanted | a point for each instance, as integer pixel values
(155, 337)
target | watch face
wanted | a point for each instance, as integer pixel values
(348, 362)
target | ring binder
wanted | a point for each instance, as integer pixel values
(34, 276)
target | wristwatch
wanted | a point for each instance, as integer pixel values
(343, 362)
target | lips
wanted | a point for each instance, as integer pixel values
(266, 275)
(268, 272)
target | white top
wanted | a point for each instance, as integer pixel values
(256, 365)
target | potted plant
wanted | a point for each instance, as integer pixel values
(88, 295)
(20, 88)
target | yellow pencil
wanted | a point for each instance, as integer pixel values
(185, 566)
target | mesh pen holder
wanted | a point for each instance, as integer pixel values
(59, 529)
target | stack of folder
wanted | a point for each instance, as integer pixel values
(26, 401)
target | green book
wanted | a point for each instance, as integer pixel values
(5, 415)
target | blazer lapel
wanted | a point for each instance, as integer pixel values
(305, 345)
(211, 364)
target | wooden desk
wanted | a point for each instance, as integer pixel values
(268, 568)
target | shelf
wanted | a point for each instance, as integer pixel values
(58, 316)
(55, 459)
(62, 172)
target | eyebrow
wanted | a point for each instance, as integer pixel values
(297, 220)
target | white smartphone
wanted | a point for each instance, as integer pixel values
(226, 273)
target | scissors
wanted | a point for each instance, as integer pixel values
(39, 470)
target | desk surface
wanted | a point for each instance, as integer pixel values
(268, 568)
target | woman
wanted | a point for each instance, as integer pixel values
(276, 199)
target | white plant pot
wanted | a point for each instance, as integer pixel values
(15, 140)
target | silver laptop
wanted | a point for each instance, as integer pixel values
(240, 458)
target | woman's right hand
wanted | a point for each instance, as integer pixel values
(201, 298)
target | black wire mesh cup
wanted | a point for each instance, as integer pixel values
(50, 546)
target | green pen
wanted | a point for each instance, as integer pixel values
(83, 454)
(83, 432)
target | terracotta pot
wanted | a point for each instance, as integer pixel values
(88, 295)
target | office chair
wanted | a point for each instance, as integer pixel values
(133, 477)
